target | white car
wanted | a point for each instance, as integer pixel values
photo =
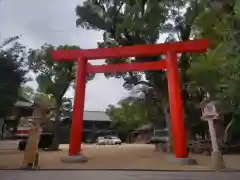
(109, 140)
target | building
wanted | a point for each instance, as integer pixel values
(15, 125)
(92, 120)
(21, 108)
(95, 123)
(143, 133)
(96, 120)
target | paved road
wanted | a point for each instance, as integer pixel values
(115, 175)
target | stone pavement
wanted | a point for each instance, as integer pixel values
(115, 175)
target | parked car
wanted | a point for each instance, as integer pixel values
(199, 146)
(160, 136)
(157, 140)
(22, 133)
(108, 140)
(44, 143)
(101, 141)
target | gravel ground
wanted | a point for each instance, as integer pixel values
(127, 156)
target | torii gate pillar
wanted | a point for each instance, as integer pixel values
(170, 64)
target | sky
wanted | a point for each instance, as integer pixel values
(54, 22)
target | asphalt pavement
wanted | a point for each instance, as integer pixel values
(114, 175)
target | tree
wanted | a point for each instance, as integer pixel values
(124, 23)
(54, 78)
(27, 92)
(216, 73)
(47, 100)
(66, 108)
(128, 23)
(127, 116)
(12, 72)
(143, 22)
(146, 97)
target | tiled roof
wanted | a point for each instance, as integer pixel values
(23, 104)
(95, 116)
(145, 127)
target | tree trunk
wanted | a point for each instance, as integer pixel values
(55, 142)
(2, 125)
(168, 126)
(226, 130)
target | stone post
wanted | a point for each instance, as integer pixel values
(210, 115)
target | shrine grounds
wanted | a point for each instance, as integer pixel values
(126, 156)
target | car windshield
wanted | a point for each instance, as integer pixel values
(113, 137)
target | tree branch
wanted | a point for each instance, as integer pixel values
(227, 128)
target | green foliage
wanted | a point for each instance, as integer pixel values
(8, 41)
(11, 78)
(128, 23)
(47, 100)
(27, 92)
(213, 75)
(217, 71)
(149, 99)
(53, 77)
(209, 70)
(30, 94)
(127, 115)
(237, 9)
(123, 22)
(143, 22)
(66, 108)
(12, 73)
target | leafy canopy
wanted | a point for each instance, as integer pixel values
(127, 115)
(53, 77)
(12, 72)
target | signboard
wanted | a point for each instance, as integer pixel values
(210, 112)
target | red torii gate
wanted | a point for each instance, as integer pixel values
(169, 63)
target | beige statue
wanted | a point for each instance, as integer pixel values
(31, 151)
(31, 154)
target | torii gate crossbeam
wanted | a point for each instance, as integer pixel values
(169, 63)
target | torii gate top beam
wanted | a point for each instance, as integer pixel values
(132, 51)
